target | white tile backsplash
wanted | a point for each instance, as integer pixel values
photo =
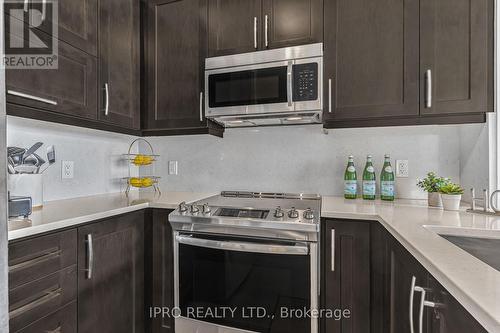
(98, 164)
(303, 158)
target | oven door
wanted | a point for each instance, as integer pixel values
(225, 284)
(252, 89)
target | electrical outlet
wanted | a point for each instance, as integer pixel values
(173, 167)
(402, 168)
(67, 169)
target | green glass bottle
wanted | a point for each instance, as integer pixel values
(369, 180)
(387, 180)
(350, 180)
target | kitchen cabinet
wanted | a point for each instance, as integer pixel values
(347, 276)
(119, 62)
(175, 46)
(449, 316)
(456, 56)
(111, 275)
(160, 271)
(76, 23)
(407, 62)
(370, 59)
(239, 26)
(405, 273)
(69, 90)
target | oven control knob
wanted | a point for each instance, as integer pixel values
(182, 207)
(293, 213)
(309, 214)
(194, 209)
(278, 212)
(206, 209)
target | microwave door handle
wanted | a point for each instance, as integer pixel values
(289, 83)
(243, 246)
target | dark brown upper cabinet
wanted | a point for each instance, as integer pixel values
(69, 90)
(370, 59)
(77, 23)
(292, 22)
(175, 50)
(407, 62)
(119, 62)
(456, 56)
(234, 26)
(239, 26)
(111, 275)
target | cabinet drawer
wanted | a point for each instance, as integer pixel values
(39, 298)
(62, 321)
(35, 258)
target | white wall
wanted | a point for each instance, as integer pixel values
(302, 158)
(99, 165)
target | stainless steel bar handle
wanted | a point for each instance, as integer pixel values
(423, 304)
(25, 5)
(266, 30)
(44, 7)
(333, 251)
(106, 104)
(90, 256)
(428, 89)
(243, 246)
(201, 106)
(28, 96)
(49, 295)
(329, 95)
(289, 83)
(255, 32)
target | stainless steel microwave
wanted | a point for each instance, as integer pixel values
(273, 87)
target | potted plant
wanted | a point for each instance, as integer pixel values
(431, 184)
(451, 194)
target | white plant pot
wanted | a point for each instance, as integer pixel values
(434, 199)
(451, 201)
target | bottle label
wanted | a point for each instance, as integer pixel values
(369, 187)
(351, 169)
(388, 169)
(350, 187)
(387, 188)
(370, 169)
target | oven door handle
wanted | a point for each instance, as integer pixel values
(302, 249)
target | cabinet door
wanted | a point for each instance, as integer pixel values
(111, 275)
(292, 22)
(370, 59)
(456, 56)
(161, 274)
(70, 89)
(175, 57)
(234, 26)
(403, 268)
(77, 23)
(119, 64)
(346, 276)
(450, 316)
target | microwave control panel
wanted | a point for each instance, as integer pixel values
(305, 82)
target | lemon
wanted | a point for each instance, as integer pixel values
(147, 182)
(136, 182)
(142, 160)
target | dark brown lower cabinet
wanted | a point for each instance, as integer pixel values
(111, 275)
(61, 321)
(160, 270)
(346, 267)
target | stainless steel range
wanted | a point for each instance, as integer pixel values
(247, 262)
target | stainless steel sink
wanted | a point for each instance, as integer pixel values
(482, 244)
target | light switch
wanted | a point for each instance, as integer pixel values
(172, 167)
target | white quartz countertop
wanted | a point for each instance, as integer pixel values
(473, 283)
